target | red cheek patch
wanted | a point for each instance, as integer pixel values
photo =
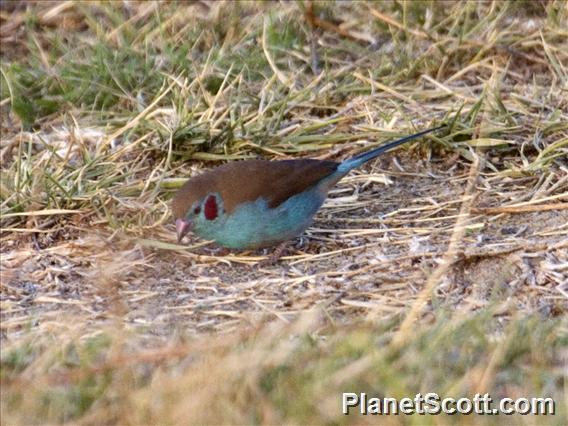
(210, 209)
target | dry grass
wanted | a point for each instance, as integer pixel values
(440, 267)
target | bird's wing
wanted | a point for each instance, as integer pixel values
(275, 181)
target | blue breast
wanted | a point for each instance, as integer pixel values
(254, 224)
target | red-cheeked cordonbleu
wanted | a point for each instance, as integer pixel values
(259, 203)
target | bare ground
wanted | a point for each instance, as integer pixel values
(368, 254)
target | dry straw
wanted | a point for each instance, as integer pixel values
(440, 265)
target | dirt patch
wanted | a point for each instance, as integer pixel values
(367, 255)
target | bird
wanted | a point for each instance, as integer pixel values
(258, 203)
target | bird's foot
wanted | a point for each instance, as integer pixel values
(218, 251)
(276, 254)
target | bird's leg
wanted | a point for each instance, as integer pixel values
(303, 241)
(219, 251)
(273, 257)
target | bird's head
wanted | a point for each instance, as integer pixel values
(195, 206)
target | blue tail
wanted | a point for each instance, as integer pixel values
(356, 161)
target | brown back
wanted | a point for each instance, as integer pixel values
(243, 181)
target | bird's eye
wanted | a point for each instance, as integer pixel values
(197, 210)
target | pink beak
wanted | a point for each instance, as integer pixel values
(182, 228)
